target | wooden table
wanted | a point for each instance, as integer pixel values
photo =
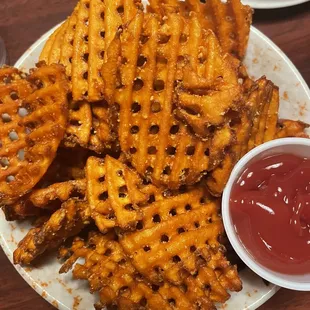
(24, 21)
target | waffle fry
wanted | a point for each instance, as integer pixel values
(114, 193)
(180, 235)
(46, 199)
(81, 42)
(80, 49)
(30, 141)
(169, 222)
(80, 123)
(229, 20)
(66, 54)
(18, 212)
(68, 221)
(153, 140)
(55, 52)
(44, 56)
(289, 128)
(120, 283)
(220, 84)
(272, 116)
(258, 124)
(102, 138)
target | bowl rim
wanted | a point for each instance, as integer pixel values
(228, 224)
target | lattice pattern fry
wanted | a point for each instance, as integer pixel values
(258, 123)
(42, 199)
(178, 242)
(81, 42)
(116, 193)
(97, 194)
(44, 56)
(66, 55)
(289, 128)
(174, 229)
(33, 124)
(229, 20)
(272, 116)
(66, 222)
(259, 112)
(109, 271)
(218, 90)
(153, 140)
(79, 125)
(55, 51)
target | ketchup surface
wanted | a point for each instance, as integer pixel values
(270, 209)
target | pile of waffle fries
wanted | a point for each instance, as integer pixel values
(129, 128)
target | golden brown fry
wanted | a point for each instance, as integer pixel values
(104, 20)
(55, 52)
(29, 142)
(102, 137)
(229, 20)
(219, 86)
(115, 193)
(81, 45)
(68, 221)
(97, 194)
(264, 95)
(218, 178)
(80, 123)
(154, 142)
(188, 220)
(80, 50)
(272, 116)
(66, 54)
(180, 234)
(289, 128)
(109, 271)
(44, 56)
(44, 200)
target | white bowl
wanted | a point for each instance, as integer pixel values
(296, 146)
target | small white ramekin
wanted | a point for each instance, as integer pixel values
(296, 146)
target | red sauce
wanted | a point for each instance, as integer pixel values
(270, 209)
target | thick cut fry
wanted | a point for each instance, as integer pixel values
(33, 124)
(149, 135)
(115, 193)
(68, 221)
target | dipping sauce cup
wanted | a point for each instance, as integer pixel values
(266, 211)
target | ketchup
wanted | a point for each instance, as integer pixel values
(270, 209)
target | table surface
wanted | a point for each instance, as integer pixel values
(23, 21)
